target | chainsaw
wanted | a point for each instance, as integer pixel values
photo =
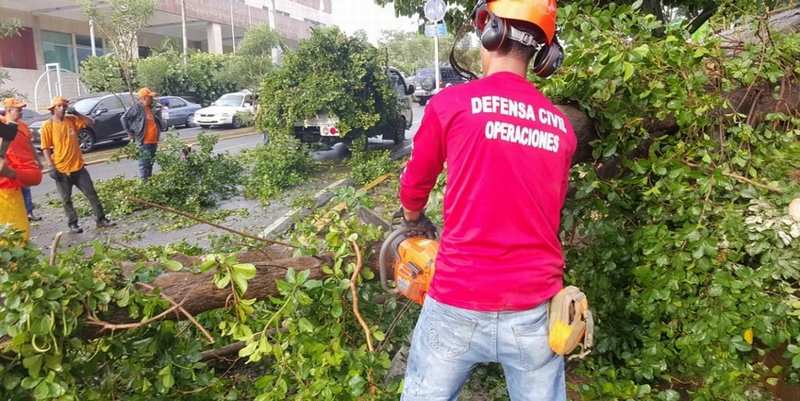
(409, 261)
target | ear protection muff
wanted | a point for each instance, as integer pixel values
(548, 59)
(494, 33)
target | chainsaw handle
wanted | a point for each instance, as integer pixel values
(387, 256)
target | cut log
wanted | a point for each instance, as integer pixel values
(197, 293)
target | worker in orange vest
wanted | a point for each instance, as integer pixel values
(19, 168)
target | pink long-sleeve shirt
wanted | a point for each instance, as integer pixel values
(508, 152)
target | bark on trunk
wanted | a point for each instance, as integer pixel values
(199, 294)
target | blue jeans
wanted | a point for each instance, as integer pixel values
(26, 195)
(147, 157)
(449, 341)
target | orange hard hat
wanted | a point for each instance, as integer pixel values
(145, 92)
(58, 101)
(541, 13)
(12, 103)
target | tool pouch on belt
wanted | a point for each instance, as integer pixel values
(571, 323)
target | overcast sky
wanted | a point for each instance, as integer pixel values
(352, 15)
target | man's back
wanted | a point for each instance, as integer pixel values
(508, 152)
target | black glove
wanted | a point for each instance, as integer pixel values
(421, 227)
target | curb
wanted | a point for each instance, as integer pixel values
(285, 222)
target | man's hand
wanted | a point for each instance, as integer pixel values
(6, 170)
(418, 224)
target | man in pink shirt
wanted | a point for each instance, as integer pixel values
(508, 152)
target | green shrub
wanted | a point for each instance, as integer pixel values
(188, 182)
(282, 163)
(366, 165)
(246, 118)
(102, 74)
(199, 77)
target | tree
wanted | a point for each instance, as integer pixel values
(329, 73)
(664, 10)
(253, 59)
(9, 27)
(120, 22)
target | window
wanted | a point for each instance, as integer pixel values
(84, 106)
(111, 103)
(230, 100)
(17, 51)
(83, 47)
(174, 102)
(57, 48)
(397, 83)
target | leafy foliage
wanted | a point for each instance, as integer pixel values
(120, 22)
(366, 165)
(690, 271)
(253, 59)
(282, 163)
(202, 76)
(190, 180)
(329, 73)
(302, 344)
(10, 27)
(102, 74)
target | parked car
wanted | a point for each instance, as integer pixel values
(223, 110)
(323, 127)
(105, 109)
(426, 80)
(178, 111)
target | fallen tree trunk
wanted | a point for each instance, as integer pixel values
(197, 293)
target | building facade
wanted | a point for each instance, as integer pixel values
(56, 33)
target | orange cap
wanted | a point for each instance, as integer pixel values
(58, 101)
(12, 103)
(145, 92)
(541, 13)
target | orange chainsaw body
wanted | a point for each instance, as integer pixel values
(414, 267)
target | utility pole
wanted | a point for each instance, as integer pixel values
(91, 36)
(233, 30)
(183, 30)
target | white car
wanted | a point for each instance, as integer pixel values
(223, 110)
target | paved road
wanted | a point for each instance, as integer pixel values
(129, 168)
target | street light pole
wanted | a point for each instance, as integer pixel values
(233, 30)
(183, 30)
(91, 36)
(436, 59)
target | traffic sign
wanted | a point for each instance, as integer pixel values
(434, 10)
(436, 30)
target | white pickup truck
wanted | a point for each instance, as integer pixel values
(323, 127)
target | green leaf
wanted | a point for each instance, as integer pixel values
(628, 71)
(246, 270)
(173, 265)
(34, 364)
(305, 325)
(221, 280)
(42, 390)
(248, 350)
(10, 381)
(636, 5)
(165, 374)
(303, 276)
